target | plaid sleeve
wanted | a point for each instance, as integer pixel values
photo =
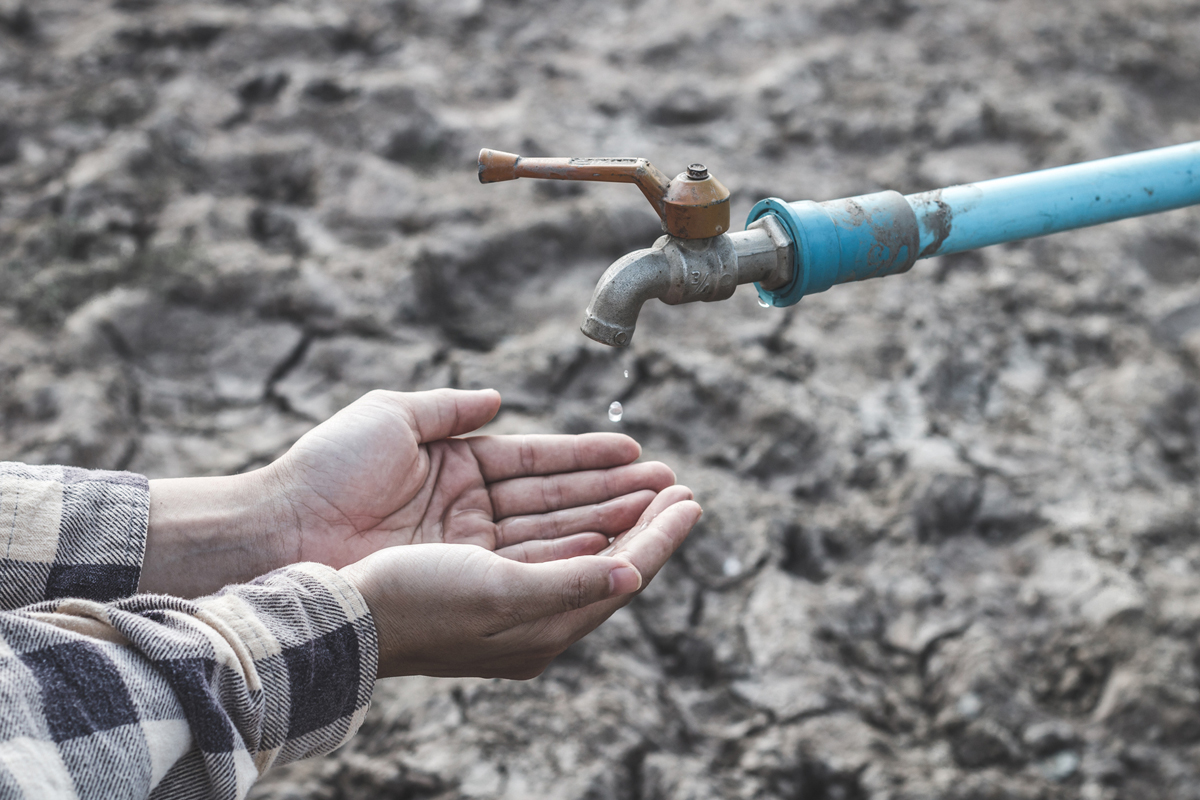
(67, 532)
(163, 697)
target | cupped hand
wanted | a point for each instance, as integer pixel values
(390, 469)
(387, 470)
(454, 611)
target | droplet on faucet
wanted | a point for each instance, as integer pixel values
(763, 303)
(615, 411)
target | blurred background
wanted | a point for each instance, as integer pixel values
(950, 547)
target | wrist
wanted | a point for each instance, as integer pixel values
(359, 576)
(205, 533)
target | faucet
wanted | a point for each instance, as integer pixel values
(792, 249)
(696, 259)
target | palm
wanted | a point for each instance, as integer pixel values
(385, 472)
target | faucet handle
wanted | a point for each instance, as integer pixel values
(496, 166)
(693, 205)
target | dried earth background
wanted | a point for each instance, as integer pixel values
(951, 547)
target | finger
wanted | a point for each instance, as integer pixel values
(538, 551)
(651, 548)
(554, 492)
(610, 517)
(504, 457)
(648, 554)
(440, 413)
(663, 500)
(536, 591)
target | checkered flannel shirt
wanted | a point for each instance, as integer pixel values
(105, 693)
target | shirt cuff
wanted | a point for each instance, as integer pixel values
(70, 532)
(313, 642)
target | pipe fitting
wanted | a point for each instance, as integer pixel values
(839, 241)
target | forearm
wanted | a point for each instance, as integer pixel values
(205, 533)
(192, 697)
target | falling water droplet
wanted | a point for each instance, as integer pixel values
(763, 303)
(615, 411)
(969, 705)
(732, 567)
(626, 373)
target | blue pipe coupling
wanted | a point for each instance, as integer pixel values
(842, 240)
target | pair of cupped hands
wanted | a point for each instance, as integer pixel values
(478, 555)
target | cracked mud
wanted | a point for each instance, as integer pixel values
(951, 547)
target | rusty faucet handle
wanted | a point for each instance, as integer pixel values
(693, 205)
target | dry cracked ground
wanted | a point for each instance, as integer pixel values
(952, 547)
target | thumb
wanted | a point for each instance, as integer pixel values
(555, 587)
(441, 413)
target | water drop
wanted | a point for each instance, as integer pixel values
(763, 303)
(732, 567)
(615, 411)
(626, 373)
(969, 705)
(1061, 766)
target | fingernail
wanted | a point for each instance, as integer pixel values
(623, 580)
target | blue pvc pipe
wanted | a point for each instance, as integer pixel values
(885, 233)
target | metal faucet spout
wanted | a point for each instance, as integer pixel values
(632, 280)
(679, 270)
